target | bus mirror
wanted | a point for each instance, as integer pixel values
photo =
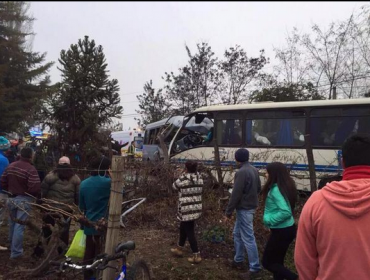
(199, 118)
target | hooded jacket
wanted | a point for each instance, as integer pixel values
(190, 188)
(66, 192)
(333, 240)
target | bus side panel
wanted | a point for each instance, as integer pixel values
(327, 162)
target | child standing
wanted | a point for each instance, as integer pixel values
(190, 187)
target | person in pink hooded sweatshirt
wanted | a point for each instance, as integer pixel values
(333, 239)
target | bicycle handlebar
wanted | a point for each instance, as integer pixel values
(103, 261)
(66, 264)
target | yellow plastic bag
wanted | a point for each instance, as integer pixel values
(78, 246)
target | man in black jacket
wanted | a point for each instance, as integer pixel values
(244, 199)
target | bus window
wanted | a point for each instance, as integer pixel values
(364, 125)
(333, 131)
(146, 137)
(229, 132)
(197, 131)
(170, 133)
(153, 136)
(330, 127)
(275, 132)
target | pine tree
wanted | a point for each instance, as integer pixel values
(86, 99)
(153, 106)
(23, 81)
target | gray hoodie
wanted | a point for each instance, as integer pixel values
(247, 185)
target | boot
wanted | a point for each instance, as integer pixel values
(178, 252)
(195, 259)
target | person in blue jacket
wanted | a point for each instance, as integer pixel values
(4, 162)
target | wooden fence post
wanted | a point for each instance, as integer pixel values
(164, 149)
(218, 163)
(115, 207)
(311, 163)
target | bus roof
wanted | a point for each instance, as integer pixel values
(175, 120)
(290, 104)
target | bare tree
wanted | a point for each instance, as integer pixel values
(353, 68)
(327, 50)
(293, 63)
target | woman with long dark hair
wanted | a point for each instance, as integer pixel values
(279, 198)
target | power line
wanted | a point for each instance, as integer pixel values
(344, 81)
(131, 93)
(133, 114)
(130, 101)
(130, 116)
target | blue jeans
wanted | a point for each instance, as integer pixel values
(3, 198)
(244, 239)
(18, 208)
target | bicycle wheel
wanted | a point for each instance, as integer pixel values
(139, 271)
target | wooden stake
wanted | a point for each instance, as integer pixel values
(218, 163)
(115, 207)
(311, 163)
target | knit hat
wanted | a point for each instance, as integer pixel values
(64, 160)
(242, 155)
(4, 143)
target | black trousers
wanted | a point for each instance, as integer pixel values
(275, 251)
(93, 249)
(41, 174)
(64, 236)
(187, 232)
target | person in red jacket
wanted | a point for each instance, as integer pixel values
(19, 180)
(333, 231)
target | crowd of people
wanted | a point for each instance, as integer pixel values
(21, 184)
(331, 236)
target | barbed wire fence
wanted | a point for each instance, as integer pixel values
(152, 180)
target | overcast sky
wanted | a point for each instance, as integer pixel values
(143, 40)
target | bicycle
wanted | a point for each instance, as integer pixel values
(139, 269)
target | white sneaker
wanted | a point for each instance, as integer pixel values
(3, 248)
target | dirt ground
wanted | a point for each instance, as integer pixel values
(154, 229)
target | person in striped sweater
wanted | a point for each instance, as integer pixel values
(21, 181)
(189, 187)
